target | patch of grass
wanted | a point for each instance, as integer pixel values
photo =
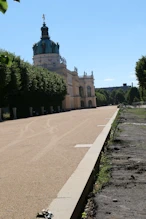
(84, 215)
(140, 112)
(104, 170)
(141, 145)
(104, 173)
(6, 115)
(143, 127)
(114, 128)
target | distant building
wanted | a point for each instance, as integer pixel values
(80, 90)
(125, 87)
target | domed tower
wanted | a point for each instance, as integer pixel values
(46, 52)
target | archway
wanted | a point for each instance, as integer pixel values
(89, 103)
(82, 104)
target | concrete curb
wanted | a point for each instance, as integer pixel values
(70, 200)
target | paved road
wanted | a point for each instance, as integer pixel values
(38, 155)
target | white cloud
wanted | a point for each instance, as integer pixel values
(109, 79)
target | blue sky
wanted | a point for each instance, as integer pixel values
(103, 36)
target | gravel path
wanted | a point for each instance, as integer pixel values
(125, 195)
(37, 156)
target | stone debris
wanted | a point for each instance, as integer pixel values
(45, 214)
(115, 200)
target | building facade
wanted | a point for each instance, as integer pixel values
(80, 90)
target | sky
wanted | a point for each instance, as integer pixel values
(107, 37)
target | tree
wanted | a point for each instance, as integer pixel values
(104, 98)
(113, 97)
(119, 96)
(4, 5)
(3, 8)
(142, 92)
(141, 72)
(107, 95)
(100, 99)
(23, 85)
(132, 95)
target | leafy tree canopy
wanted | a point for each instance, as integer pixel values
(100, 99)
(141, 71)
(4, 5)
(133, 95)
(24, 84)
(119, 96)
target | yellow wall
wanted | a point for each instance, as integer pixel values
(73, 81)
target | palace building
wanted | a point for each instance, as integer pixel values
(80, 90)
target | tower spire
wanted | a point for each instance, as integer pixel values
(43, 18)
(44, 29)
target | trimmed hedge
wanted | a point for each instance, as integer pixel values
(23, 85)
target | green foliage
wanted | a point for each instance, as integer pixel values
(132, 95)
(104, 97)
(142, 92)
(23, 85)
(104, 173)
(139, 112)
(135, 100)
(100, 99)
(4, 59)
(4, 5)
(113, 97)
(141, 72)
(119, 96)
(114, 127)
(84, 215)
(106, 94)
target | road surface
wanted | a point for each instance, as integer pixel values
(38, 155)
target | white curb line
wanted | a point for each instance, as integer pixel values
(64, 205)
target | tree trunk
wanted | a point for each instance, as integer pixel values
(51, 109)
(14, 113)
(58, 108)
(30, 111)
(0, 114)
(42, 110)
(142, 92)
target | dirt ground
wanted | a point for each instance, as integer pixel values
(125, 195)
(38, 155)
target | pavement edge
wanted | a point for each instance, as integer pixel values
(67, 204)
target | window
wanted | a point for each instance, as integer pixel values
(89, 91)
(81, 92)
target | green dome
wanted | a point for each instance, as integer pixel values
(45, 45)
